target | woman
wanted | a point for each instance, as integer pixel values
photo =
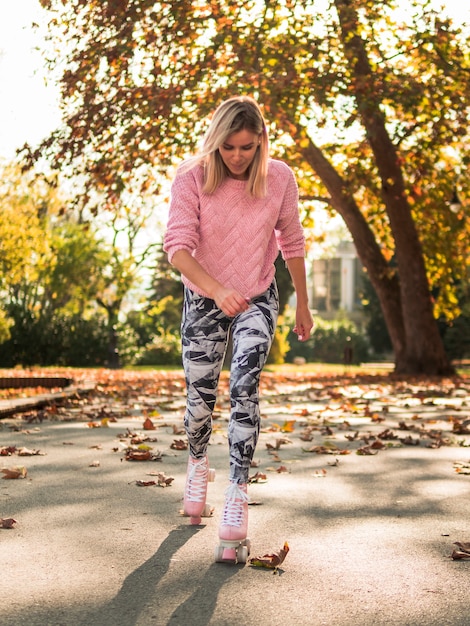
(232, 209)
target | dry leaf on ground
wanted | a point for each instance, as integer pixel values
(270, 561)
(8, 522)
(259, 477)
(142, 455)
(14, 472)
(179, 444)
(462, 468)
(463, 551)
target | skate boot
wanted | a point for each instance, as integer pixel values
(234, 546)
(197, 476)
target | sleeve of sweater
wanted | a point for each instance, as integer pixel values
(182, 231)
(289, 231)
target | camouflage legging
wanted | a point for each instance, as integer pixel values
(205, 331)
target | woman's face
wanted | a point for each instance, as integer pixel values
(238, 152)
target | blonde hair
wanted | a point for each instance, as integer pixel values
(231, 116)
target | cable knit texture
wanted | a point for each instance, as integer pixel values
(235, 237)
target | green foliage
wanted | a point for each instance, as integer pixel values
(165, 300)
(280, 345)
(65, 340)
(57, 340)
(72, 274)
(54, 269)
(457, 332)
(164, 349)
(22, 235)
(5, 324)
(328, 343)
(157, 325)
(457, 338)
(376, 328)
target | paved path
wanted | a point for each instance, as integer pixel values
(370, 537)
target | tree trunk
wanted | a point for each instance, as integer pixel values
(383, 279)
(424, 350)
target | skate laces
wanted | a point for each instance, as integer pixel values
(197, 480)
(235, 498)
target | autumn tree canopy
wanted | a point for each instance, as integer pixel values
(367, 101)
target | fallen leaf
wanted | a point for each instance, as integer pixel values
(366, 451)
(148, 424)
(145, 454)
(461, 427)
(138, 440)
(463, 545)
(280, 441)
(377, 418)
(409, 441)
(179, 444)
(462, 468)
(326, 449)
(7, 450)
(307, 434)
(387, 434)
(460, 555)
(138, 455)
(163, 480)
(378, 445)
(259, 477)
(270, 561)
(14, 472)
(8, 522)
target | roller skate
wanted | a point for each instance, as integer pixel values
(234, 546)
(197, 476)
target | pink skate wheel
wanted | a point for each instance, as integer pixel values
(230, 554)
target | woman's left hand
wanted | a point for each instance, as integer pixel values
(303, 323)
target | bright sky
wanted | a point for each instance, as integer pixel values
(28, 105)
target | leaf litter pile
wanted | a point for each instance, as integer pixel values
(330, 415)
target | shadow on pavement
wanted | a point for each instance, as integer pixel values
(139, 593)
(138, 589)
(199, 607)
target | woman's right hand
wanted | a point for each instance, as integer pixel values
(230, 301)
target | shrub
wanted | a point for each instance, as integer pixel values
(164, 349)
(329, 342)
(280, 346)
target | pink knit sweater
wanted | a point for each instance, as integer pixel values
(235, 237)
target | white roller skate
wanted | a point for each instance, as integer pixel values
(234, 546)
(195, 492)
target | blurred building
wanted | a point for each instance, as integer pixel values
(336, 283)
